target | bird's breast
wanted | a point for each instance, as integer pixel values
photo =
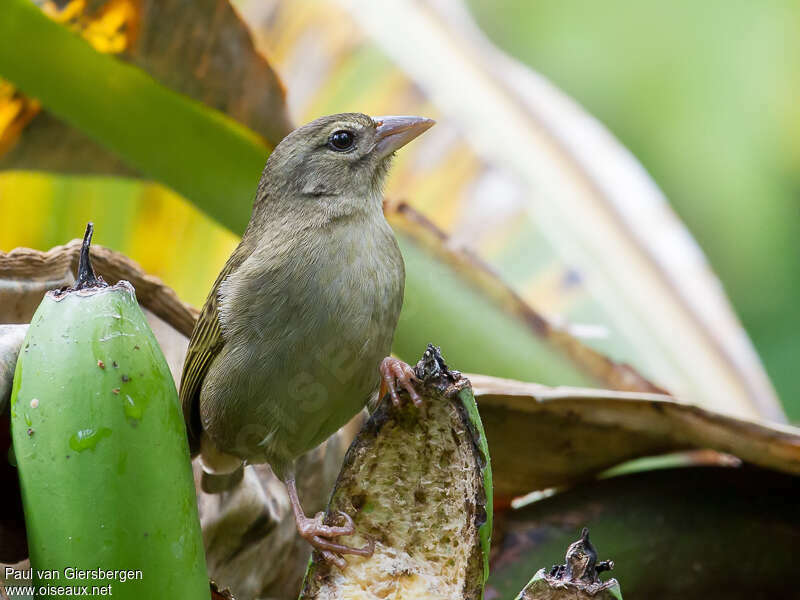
(306, 325)
(319, 301)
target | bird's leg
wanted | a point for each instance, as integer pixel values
(316, 532)
(394, 371)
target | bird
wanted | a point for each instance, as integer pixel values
(295, 336)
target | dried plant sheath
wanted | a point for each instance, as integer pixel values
(418, 483)
(11, 337)
(26, 274)
(575, 433)
(101, 448)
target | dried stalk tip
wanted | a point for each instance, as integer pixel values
(86, 275)
(432, 370)
(87, 280)
(581, 563)
(577, 579)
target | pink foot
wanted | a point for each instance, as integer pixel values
(316, 532)
(394, 371)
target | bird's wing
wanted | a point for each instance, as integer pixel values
(204, 346)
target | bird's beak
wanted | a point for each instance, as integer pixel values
(396, 132)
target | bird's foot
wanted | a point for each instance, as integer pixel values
(394, 371)
(318, 535)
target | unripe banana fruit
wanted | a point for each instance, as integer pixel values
(101, 450)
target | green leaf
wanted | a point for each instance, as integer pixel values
(201, 153)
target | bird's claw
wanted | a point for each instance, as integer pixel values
(395, 371)
(331, 551)
(316, 532)
(319, 527)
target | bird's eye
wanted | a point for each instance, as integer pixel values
(342, 140)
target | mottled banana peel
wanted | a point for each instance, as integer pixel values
(101, 448)
(577, 579)
(417, 483)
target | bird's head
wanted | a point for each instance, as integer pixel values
(336, 163)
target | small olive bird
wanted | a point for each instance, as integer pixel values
(294, 337)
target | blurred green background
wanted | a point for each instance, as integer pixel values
(705, 94)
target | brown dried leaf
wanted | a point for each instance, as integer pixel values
(543, 437)
(26, 274)
(11, 337)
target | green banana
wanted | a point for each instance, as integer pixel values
(418, 485)
(101, 450)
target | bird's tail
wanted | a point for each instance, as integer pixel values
(216, 483)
